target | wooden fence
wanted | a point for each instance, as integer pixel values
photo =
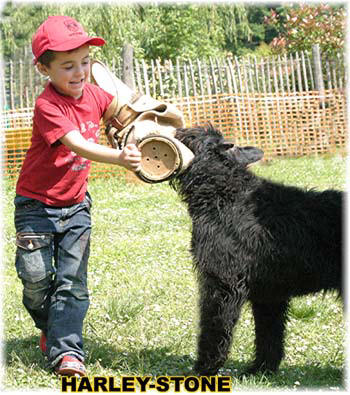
(294, 73)
(288, 124)
(291, 106)
(299, 72)
(282, 124)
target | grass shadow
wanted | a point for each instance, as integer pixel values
(160, 361)
(146, 361)
(25, 350)
(303, 377)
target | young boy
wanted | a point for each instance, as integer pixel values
(52, 205)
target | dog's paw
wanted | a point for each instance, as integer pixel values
(205, 372)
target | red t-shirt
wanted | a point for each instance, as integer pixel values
(51, 172)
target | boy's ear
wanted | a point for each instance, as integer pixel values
(42, 69)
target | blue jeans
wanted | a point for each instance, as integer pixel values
(53, 245)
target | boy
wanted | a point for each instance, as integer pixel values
(52, 205)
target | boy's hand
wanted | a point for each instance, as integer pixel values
(130, 157)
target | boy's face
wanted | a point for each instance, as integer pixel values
(69, 71)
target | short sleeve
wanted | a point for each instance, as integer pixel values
(51, 122)
(103, 98)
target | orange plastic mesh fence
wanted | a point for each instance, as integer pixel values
(16, 126)
(289, 124)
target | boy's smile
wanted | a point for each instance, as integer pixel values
(69, 71)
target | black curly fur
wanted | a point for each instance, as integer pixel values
(253, 240)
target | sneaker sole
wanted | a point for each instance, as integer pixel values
(69, 372)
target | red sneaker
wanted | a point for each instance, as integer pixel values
(42, 343)
(70, 366)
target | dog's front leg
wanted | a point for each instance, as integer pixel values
(270, 321)
(220, 307)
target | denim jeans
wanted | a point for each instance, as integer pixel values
(53, 245)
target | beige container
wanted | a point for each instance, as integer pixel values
(148, 123)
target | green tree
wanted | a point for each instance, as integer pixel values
(180, 31)
(305, 25)
(260, 35)
(235, 25)
(155, 31)
(17, 26)
(115, 23)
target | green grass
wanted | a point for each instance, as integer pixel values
(143, 314)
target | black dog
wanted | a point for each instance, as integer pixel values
(253, 240)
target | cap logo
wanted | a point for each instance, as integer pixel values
(72, 26)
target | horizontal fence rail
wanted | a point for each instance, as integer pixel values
(282, 124)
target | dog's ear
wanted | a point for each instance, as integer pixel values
(225, 146)
(247, 155)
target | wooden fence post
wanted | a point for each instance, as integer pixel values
(12, 86)
(128, 67)
(128, 79)
(319, 85)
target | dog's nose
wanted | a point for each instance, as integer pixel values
(248, 155)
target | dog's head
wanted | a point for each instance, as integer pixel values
(209, 140)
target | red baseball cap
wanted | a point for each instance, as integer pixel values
(61, 33)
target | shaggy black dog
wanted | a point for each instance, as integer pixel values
(253, 240)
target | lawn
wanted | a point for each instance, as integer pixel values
(143, 313)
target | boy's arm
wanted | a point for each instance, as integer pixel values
(129, 157)
(111, 110)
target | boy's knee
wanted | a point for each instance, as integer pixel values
(75, 290)
(35, 294)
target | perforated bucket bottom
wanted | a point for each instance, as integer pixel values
(160, 158)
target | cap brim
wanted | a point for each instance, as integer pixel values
(74, 44)
(78, 42)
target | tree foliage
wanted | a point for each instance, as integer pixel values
(260, 34)
(116, 24)
(307, 24)
(192, 30)
(154, 31)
